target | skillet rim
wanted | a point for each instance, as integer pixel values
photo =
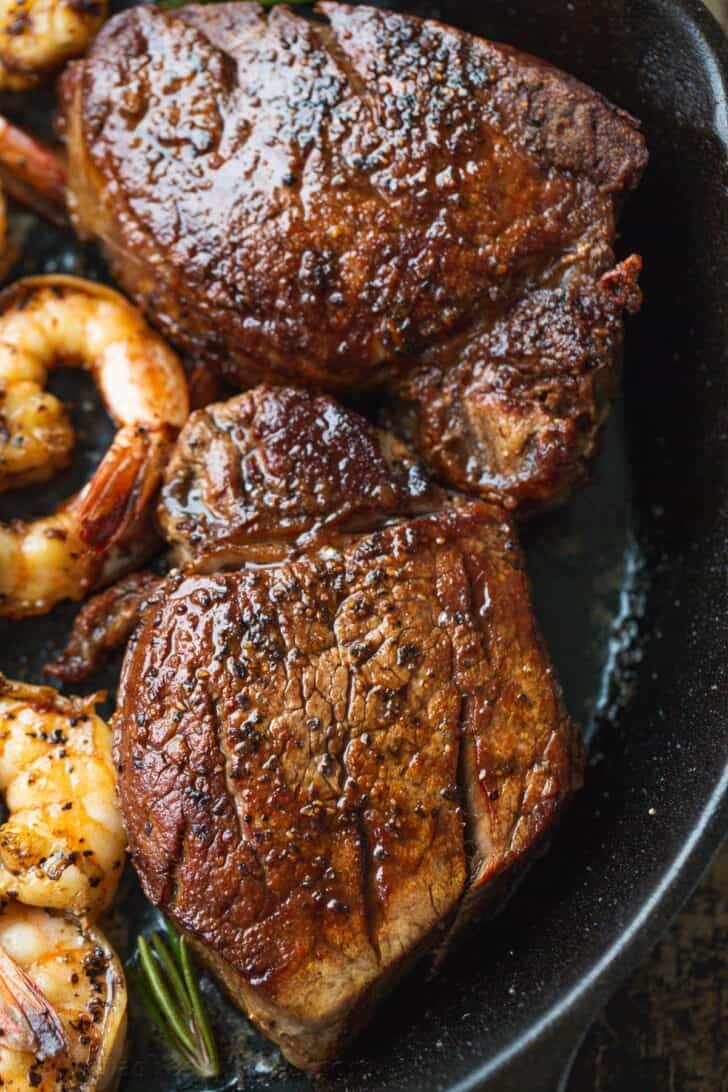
(555, 1037)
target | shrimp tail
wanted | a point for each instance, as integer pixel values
(117, 499)
(47, 698)
(33, 173)
(28, 1022)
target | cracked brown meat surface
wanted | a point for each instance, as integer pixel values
(375, 201)
(278, 464)
(327, 759)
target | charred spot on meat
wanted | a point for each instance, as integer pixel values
(378, 201)
(333, 753)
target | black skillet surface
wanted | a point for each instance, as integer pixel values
(631, 585)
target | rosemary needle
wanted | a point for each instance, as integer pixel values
(198, 1005)
(170, 969)
(172, 995)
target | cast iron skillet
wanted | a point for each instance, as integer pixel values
(631, 586)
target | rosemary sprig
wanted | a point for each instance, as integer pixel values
(171, 994)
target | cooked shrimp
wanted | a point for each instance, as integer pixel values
(62, 1004)
(52, 320)
(38, 36)
(36, 437)
(63, 844)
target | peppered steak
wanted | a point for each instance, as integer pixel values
(332, 753)
(372, 201)
(247, 480)
(258, 473)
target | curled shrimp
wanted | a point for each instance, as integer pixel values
(38, 36)
(62, 990)
(105, 529)
(62, 1004)
(63, 844)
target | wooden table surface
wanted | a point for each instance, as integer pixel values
(720, 9)
(667, 1029)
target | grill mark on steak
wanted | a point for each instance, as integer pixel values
(464, 763)
(465, 755)
(328, 36)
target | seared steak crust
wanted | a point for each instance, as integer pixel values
(274, 466)
(518, 411)
(365, 202)
(328, 755)
(301, 750)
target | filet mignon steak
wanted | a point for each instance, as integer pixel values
(374, 201)
(331, 755)
(255, 475)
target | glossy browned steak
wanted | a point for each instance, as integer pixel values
(274, 465)
(377, 200)
(251, 480)
(326, 760)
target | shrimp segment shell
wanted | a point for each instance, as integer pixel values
(108, 527)
(78, 975)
